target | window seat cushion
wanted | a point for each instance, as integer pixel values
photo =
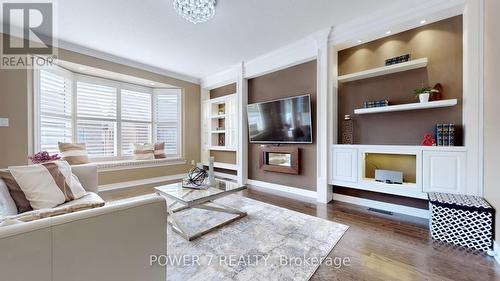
(113, 165)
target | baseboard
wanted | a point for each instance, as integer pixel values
(134, 183)
(496, 251)
(400, 209)
(283, 189)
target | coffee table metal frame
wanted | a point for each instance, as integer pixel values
(206, 203)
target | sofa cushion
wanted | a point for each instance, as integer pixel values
(7, 205)
(89, 198)
(47, 185)
(89, 201)
(74, 153)
(16, 193)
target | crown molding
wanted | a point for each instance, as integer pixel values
(293, 54)
(120, 60)
(397, 19)
(221, 78)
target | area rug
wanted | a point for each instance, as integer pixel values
(270, 243)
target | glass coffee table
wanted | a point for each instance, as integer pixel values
(199, 199)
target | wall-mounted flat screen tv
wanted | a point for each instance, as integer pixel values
(281, 121)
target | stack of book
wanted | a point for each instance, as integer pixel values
(396, 60)
(377, 103)
(445, 134)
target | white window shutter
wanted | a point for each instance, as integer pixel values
(95, 101)
(136, 119)
(55, 107)
(96, 118)
(167, 119)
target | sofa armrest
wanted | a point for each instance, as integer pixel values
(87, 174)
(114, 242)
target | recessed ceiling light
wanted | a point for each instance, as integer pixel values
(81, 68)
(388, 32)
(152, 84)
(360, 41)
(423, 21)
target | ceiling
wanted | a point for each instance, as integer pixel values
(150, 31)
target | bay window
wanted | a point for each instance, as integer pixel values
(108, 116)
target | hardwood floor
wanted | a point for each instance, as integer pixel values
(379, 246)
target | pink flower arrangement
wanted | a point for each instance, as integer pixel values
(42, 157)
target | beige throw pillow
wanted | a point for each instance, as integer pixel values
(49, 184)
(74, 153)
(144, 151)
(160, 150)
(17, 194)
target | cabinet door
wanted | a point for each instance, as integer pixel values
(345, 164)
(231, 122)
(444, 171)
(205, 125)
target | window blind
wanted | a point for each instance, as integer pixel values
(55, 106)
(96, 118)
(136, 119)
(95, 101)
(167, 117)
(108, 116)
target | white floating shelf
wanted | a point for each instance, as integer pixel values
(222, 148)
(219, 132)
(409, 106)
(379, 71)
(222, 116)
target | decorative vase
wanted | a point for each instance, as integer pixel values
(424, 97)
(347, 130)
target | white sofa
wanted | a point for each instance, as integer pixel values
(113, 242)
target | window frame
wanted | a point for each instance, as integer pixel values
(180, 118)
(119, 85)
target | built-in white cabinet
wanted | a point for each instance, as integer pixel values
(345, 167)
(425, 169)
(444, 171)
(219, 125)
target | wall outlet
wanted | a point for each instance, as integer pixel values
(4, 122)
(192, 162)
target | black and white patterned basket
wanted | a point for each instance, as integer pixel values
(462, 220)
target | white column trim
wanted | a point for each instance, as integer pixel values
(324, 129)
(242, 153)
(473, 85)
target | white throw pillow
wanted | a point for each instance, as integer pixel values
(48, 185)
(144, 151)
(7, 205)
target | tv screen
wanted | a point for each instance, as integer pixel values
(281, 121)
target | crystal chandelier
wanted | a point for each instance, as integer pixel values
(195, 11)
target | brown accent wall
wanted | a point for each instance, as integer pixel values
(441, 43)
(293, 81)
(491, 108)
(223, 91)
(14, 93)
